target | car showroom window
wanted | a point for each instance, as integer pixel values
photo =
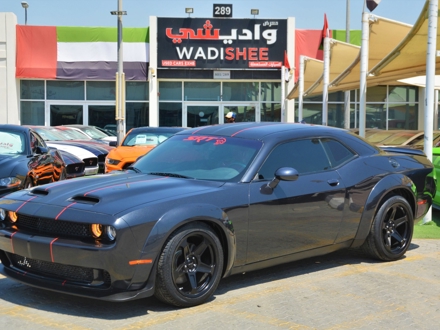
(306, 156)
(337, 152)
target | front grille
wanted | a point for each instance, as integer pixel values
(90, 161)
(38, 225)
(55, 270)
(75, 168)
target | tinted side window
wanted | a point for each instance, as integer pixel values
(305, 156)
(337, 152)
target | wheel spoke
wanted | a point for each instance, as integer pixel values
(199, 249)
(204, 268)
(401, 221)
(388, 241)
(193, 281)
(397, 237)
(186, 248)
(393, 213)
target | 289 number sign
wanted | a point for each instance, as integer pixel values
(222, 11)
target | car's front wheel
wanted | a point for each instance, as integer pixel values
(190, 266)
(391, 231)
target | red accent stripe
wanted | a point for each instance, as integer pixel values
(195, 132)
(36, 52)
(12, 243)
(64, 282)
(51, 251)
(25, 203)
(123, 184)
(56, 218)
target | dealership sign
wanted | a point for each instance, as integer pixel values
(198, 43)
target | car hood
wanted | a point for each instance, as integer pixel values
(77, 151)
(96, 150)
(9, 162)
(115, 192)
(133, 152)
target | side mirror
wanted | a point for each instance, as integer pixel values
(283, 174)
(113, 143)
(41, 150)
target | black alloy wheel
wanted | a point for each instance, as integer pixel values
(190, 266)
(392, 230)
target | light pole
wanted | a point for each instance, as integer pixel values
(120, 80)
(25, 5)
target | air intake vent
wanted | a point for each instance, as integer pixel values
(40, 192)
(85, 199)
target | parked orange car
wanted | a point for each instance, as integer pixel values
(137, 142)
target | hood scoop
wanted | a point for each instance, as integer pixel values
(85, 199)
(40, 192)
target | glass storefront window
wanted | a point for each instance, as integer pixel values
(32, 113)
(136, 115)
(170, 91)
(200, 115)
(101, 90)
(403, 94)
(102, 116)
(240, 91)
(65, 114)
(377, 94)
(65, 90)
(402, 116)
(270, 92)
(137, 90)
(202, 91)
(270, 112)
(32, 89)
(375, 116)
(170, 114)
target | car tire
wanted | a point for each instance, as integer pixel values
(391, 232)
(190, 266)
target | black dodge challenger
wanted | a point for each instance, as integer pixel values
(210, 202)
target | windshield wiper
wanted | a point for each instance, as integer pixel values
(134, 169)
(174, 175)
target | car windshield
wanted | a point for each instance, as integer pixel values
(49, 134)
(11, 143)
(200, 157)
(94, 133)
(72, 134)
(137, 138)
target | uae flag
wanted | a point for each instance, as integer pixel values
(325, 33)
(80, 53)
(372, 4)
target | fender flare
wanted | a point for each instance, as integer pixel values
(184, 214)
(386, 185)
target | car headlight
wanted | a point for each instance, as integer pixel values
(112, 161)
(103, 232)
(10, 182)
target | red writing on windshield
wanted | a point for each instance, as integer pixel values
(215, 139)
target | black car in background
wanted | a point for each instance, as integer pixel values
(26, 160)
(210, 202)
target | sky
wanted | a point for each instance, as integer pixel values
(308, 14)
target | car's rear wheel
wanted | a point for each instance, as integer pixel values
(391, 231)
(190, 266)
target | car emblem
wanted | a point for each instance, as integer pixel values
(76, 168)
(91, 162)
(24, 262)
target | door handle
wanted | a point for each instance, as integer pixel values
(333, 182)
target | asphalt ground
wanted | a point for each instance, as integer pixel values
(342, 290)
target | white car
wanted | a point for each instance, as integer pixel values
(92, 132)
(89, 159)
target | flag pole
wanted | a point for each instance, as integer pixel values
(363, 69)
(429, 88)
(283, 93)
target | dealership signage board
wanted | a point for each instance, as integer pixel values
(196, 43)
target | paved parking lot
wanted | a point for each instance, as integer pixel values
(343, 290)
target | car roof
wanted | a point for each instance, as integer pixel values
(147, 129)
(15, 127)
(252, 130)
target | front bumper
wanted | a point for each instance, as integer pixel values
(75, 267)
(91, 170)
